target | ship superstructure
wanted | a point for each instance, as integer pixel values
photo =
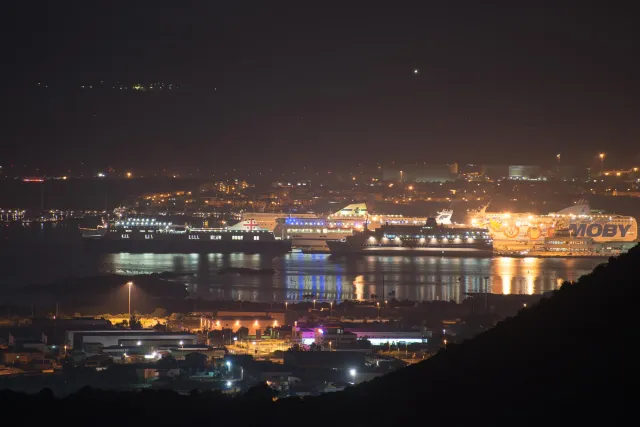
(149, 235)
(269, 220)
(311, 234)
(429, 238)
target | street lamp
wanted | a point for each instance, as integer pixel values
(330, 346)
(331, 309)
(602, 156)
(285, 306)
(445, 344)
(353, 373)
(314, 304)
(129, 285)
(558, 157)
(228, 365)
(378, 305)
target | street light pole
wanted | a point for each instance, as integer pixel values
(331, 309)
(129, 284)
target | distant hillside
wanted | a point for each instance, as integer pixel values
(568, 360)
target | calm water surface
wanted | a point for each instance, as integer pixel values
(329, 278)
(43, 255)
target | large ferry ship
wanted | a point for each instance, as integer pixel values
(352, 215)
(358, 214)
(269, 220)
(149, 235)
(312, 234)
(429, 238)
(528, 232)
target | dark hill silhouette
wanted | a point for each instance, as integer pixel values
(568, 360)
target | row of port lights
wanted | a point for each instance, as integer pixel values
(456, 239)
(142, 222)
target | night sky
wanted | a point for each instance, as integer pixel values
(324, 86)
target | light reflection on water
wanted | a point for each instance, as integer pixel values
(328, 278)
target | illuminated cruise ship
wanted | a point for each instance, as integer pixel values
(269, 220)
(312, 234)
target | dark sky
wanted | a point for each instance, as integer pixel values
(308, 83)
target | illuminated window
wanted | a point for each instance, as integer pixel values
(256, 237)
(236, 237)
(216, 237)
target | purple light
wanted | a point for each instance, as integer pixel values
(320, 331)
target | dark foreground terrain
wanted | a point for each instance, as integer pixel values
(567, 360)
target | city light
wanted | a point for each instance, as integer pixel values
(352, 372)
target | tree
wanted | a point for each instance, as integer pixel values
(215, 337)
(261, 392)
(363, 343)
(315, 347)
(159, 327)
(135, 322)
(242, 333)
(167, 362)
(196, 362)
(295, 347)
(122, 325)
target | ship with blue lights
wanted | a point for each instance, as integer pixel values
(430, 239)
(148, 235)
(311, 234)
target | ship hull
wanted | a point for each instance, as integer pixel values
(157, 246)
(344, 248)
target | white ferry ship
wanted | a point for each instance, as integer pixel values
(269, 220)
(312, 234)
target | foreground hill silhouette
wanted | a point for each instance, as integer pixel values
(569, 359)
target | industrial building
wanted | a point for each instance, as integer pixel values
(127, 338)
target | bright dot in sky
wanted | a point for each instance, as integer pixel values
(416, 71)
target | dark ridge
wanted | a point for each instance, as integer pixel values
(567, 360)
